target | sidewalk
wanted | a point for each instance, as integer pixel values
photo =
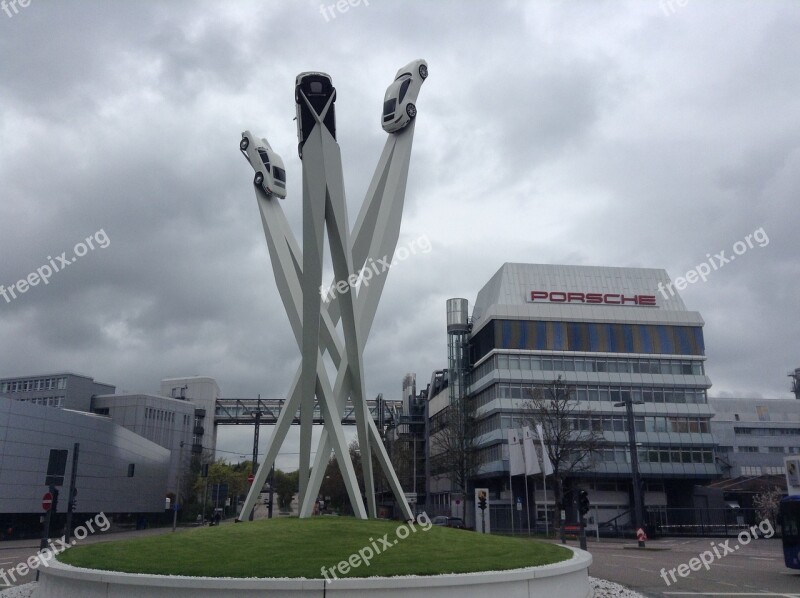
(96, 537)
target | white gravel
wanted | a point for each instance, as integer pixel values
(601, 587)
(609, 589)
(25, 591)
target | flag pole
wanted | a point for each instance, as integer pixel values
(544, 502)
(527, 499)
(511, 493)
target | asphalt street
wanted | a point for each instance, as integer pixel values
(756, 569)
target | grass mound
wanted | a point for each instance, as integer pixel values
(302, 547)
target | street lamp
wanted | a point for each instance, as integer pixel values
(637, 489)
(177, 490)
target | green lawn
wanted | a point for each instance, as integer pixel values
(290, 547)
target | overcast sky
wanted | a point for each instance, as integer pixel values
(640, 134)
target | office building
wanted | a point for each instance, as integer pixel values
(65, 389)
(613, 335)
(755, 435)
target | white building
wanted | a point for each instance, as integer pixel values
(162, 420)
(108, 455)
(203, 393)
(755, 435)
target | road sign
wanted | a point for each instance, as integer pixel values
(519, 503)
(56, 465)
(47, 501)
(640, 535)
(250, 478)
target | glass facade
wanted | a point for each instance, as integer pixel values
(587, 337)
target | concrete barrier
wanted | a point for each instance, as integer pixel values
(567, 579)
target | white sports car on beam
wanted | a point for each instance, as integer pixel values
(270, 172)
(398, 103)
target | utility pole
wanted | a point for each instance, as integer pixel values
(177, 490)
(204, 473)
(628, 403)
(257, 415)
(271, 480)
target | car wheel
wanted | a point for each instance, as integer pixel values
(244, 143)
(411, 110)
(259, 178)
(423, 71)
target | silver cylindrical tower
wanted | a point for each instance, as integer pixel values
(457, 346)
(796, 383)
(457, 316)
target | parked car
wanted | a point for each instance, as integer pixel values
(444, 521)
(314, 95)
(398, 103)
(270, 172)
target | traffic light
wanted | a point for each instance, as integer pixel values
(482, 501)
(583, 502)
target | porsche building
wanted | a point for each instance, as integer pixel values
(613, 335)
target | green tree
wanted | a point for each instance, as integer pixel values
(221, 472)
(286, 486)
(333, 483)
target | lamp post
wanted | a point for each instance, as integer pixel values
(177, 490)
(628, 403)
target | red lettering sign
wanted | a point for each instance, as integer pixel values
(593, 298)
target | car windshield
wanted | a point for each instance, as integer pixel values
(264, 157)
(279, 173)
(389, 106)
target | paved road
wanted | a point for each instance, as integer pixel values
(756, 569)
(18, 551)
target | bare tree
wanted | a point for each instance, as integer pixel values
(452, 444)
(767, 504)
(570, 447)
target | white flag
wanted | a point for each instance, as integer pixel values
(547, 465)
(529, 450)
(515, 460)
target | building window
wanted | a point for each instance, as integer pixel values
(585, 336)
(748, 449)
(751, 470)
